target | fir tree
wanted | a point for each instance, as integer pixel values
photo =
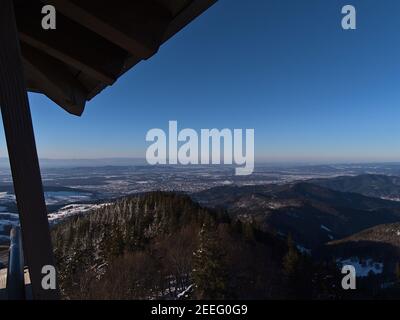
(209, 274)
(291, 260)
(298, 270)
(397, 271)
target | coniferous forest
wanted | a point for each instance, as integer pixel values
(165, 246)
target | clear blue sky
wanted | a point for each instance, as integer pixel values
(311, 90)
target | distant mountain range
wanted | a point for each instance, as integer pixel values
(372, 185)
(312, 214)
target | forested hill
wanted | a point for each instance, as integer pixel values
(163, 245)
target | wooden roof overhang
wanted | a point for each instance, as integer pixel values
(95, 42)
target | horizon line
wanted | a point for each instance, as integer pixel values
(258, 162)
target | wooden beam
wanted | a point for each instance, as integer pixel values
(78, 61)
(23, 156)
(55, 80)
(191, 12)
(93, 56)
(174, 7)
(125, 28)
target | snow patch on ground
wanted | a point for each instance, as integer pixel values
(184, 292)
(52, 197)
(227, 182)
(72, 210)
(7, 221)
(363, 267)
(303, 249)
(325, 228)
(7, 197)
(55, 197)
(4, 239)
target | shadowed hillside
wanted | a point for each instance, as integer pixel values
(312, 214)
(372, 185)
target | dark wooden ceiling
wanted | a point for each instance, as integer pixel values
(95, 42)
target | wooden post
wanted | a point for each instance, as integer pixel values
(23, 156)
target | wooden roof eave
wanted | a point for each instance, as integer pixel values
(92, 47)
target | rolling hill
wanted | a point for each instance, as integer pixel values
(312, 214)
(371, 185)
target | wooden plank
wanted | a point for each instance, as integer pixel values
(23, 156)
(174, 7)
(122, 23)
(76, 60)
(96, 56)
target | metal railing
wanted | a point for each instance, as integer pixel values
(15, 272)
